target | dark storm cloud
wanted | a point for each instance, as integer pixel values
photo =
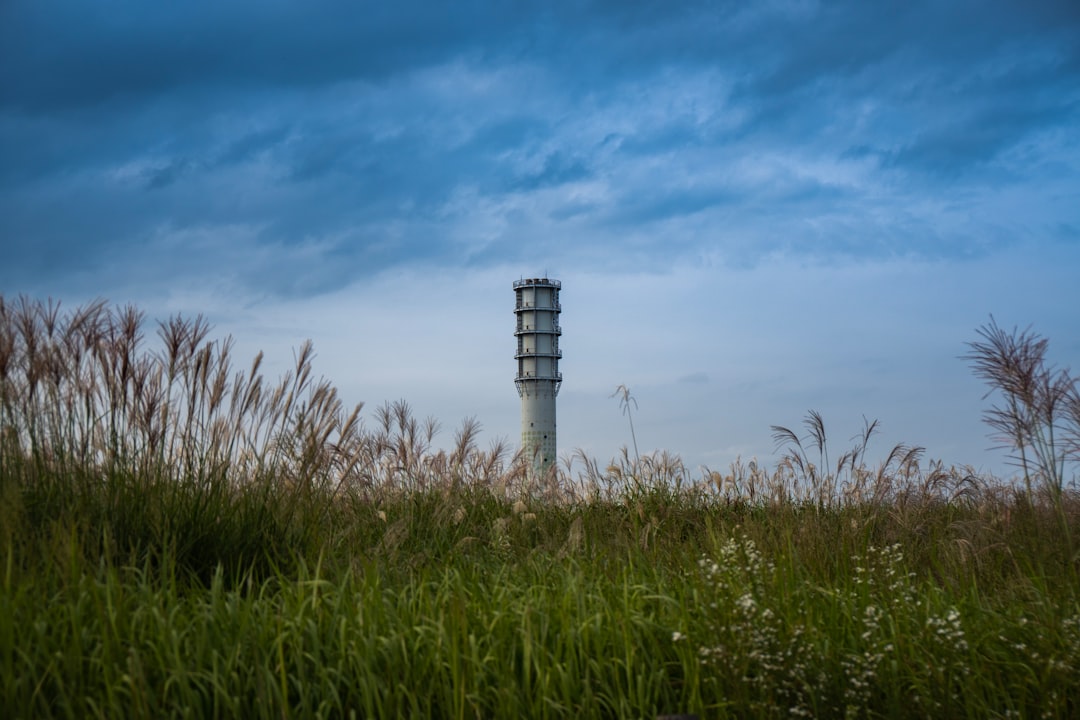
(65, 54)
(557, 169)
(668, 203)
(976, 135)
(251, 144)
(166, 175)
(332, 139)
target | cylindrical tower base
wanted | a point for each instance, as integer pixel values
(538, 440)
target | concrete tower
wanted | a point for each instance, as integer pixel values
(538, 378)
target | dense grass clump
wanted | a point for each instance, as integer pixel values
(180, 539)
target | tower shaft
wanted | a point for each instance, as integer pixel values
(538, 379)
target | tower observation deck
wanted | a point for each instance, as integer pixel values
(538, 379)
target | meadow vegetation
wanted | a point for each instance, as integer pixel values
(180, 537)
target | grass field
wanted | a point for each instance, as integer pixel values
(179, 538)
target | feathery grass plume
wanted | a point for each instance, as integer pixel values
(625, 400)
(1040, 414)
(850, 480)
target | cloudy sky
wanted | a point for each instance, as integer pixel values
(755, 208)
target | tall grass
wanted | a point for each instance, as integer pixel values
(179, 538)
(173, 450)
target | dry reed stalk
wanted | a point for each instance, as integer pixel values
(1039, 418)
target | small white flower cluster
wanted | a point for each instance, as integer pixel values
(778, 662)
(1059, 656)
(738, 562)
(948, 631)
(1070, 628)
(881, 573)
(945, 634)
(860, 672)
(1053, 700)
(860, 669)
(882, 594)
(871, 621)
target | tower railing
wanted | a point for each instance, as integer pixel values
(530, 352)
(541, 282)
(523, 329)
(554, 306)
(529, 376)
